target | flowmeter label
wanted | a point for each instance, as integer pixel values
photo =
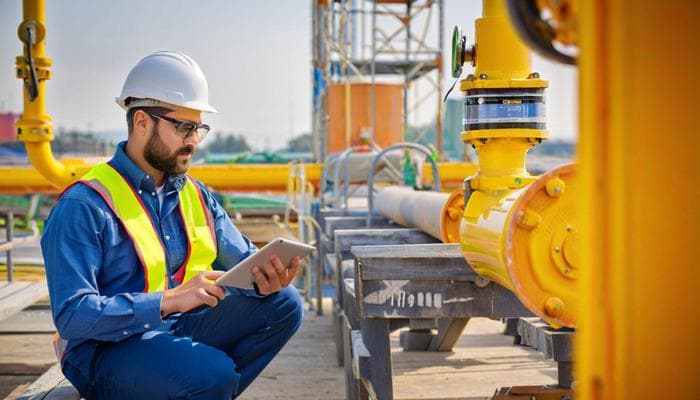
(501, 109)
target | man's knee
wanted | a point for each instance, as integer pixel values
(291, 308)
(211, 376)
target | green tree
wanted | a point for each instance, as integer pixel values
(301, 143)
(228, 143)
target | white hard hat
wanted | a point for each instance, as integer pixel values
(169, 77)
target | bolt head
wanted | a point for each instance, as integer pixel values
(553, 307)
(555, 187)
(481, 281)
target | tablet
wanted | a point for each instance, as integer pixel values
(241, 276)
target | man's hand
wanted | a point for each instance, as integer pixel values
(198, 291)
(273, 276)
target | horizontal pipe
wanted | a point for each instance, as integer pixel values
(412, 208)
(223, 177)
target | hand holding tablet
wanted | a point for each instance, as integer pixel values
(241, 275)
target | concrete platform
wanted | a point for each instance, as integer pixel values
(484, 360)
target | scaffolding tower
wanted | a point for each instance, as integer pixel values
(375, 41)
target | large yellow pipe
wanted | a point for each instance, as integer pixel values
(638, 148)
(222, 177)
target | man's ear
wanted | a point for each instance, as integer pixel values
(142, 122)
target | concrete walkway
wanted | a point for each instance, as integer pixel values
(483, 361)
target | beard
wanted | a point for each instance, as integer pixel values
(157, 155)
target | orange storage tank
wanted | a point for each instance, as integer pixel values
(389, 122)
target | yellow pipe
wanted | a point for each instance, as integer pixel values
(348, 113)
(41, 157)
(516, 229)
(34, 126)
(500, 53)
(639, 158)
(223, 177)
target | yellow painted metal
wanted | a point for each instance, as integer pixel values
(565, 19)
(451, 173)
(513, 230)
(223, 177)
(482, 236)
(348, 113)
(638, 148)
(504, 133)
(34, 126)
(502, 164)
(499, 52)
(527, 240)
(452, 217)
(542, 245)
(490, 83)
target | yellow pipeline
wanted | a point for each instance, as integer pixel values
(34, 127)
(516, 229)
(639, 157)
(223, 177)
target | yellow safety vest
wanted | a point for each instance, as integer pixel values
(128, 207)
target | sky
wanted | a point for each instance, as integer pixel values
(256, 57)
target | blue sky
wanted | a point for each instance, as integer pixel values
(256, 56)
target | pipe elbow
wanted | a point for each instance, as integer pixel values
(57, 173)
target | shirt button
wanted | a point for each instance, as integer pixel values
(153, 193)
(167, 237)
(147, 326)
(125, 333)
(140, 191)
(148, 176)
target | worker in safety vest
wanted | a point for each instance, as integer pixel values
(132, 250)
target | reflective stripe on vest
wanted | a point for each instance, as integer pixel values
(128, 207)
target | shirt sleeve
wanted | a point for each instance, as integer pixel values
(232, 245)
(72, 246)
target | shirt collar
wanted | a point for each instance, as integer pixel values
(139, 179)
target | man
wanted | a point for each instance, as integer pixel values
(132, 251)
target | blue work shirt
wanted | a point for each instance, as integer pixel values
(94, 275)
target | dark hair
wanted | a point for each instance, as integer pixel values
(149, 110)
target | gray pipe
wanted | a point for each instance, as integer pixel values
(412, 208)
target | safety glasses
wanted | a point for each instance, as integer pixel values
(185, 129)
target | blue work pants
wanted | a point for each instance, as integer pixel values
(211, 353)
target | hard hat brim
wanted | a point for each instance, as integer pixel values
(193, 105)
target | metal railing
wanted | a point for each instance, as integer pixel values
(11, 242)
(370, 178)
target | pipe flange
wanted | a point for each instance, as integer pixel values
(542, 246)
(564, 251)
